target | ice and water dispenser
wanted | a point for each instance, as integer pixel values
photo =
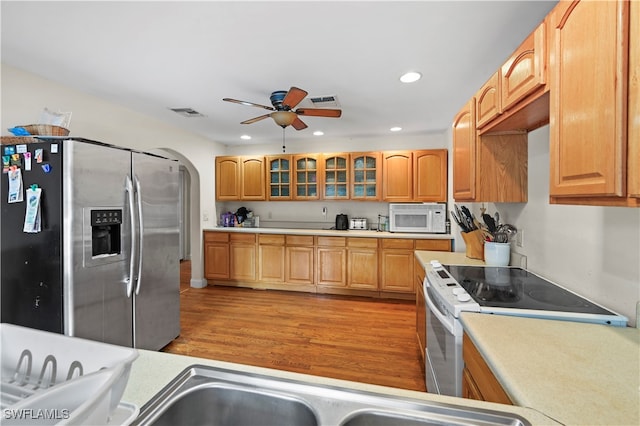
(105, 232)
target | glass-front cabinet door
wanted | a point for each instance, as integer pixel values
(306, 177)
(336, 177)
(366, 172)
(279, 177)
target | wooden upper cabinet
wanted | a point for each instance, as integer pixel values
(464, 153)
(335, 169)
(397, 176)
(524, 71)
(307, 176)
(488, 101)
(366, 176)
(228, 178)
(633, 137)
(252, 175)
(589, 76)
(430, 175)
(240, 178)
(279, 177)
(488, 168)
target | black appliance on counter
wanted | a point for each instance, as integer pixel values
(342, 222)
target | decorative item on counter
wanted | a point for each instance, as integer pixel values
(382, 223)
(241, 215)
(227, 220)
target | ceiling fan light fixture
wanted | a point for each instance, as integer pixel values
(245, 137)
(395, 129)
(318, 133)
(283, 118)
(410, 77)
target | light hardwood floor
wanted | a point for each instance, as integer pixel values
(351, 338)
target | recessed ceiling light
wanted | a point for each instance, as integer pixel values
(395, 129)
(410, 77)
(245, 137)
(318, 133)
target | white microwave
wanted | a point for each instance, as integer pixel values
(424, 217)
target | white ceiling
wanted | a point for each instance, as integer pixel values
(154, 55)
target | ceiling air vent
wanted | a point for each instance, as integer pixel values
(324, 101)
(186, 112)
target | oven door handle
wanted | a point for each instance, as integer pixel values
(446, 322)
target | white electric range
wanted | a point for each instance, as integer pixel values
(452, 289)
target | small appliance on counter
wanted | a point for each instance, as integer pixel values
(414, 217)
(358, 223)
(342, 222)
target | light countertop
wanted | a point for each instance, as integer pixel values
(334, 233)
(444, 257)
(153, 370)
(573, 372)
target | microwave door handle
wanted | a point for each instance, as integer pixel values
(448, 324)
(430, 220)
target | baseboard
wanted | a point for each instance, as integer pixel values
(201, 283)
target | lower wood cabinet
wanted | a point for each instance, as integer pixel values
(331, 256)
(320, 264)
(216, 255)
(362, 263)
(271, 258)
(242, 257)
(478, 382)
(299, 260)
(421, 311)
(396, 259)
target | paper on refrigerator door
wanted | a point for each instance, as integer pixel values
(15, 186)
(32, 215)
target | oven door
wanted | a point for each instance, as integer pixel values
(443, 364)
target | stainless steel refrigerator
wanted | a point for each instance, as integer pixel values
(105, 262)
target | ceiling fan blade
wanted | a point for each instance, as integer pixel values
(298, 124)
(235, 101)
(253, 120)
(319, 112)
(294, 97)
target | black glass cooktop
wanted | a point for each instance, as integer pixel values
(507, 287)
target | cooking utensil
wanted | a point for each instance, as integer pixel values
(458, 221)
(510, 230)
(468, 218)
(500, 237)
(490, 222)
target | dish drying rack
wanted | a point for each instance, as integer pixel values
(66, 380)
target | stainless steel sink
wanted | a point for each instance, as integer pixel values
(202, 395)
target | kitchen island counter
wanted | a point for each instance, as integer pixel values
(573, 372)
(153, 370)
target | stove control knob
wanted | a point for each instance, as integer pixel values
(458, 291)
(435, 264)
(464, 297)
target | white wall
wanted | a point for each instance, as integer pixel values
(24, 95)
(594, 251)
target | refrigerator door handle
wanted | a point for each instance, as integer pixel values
(140, 233)
(132, 218)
